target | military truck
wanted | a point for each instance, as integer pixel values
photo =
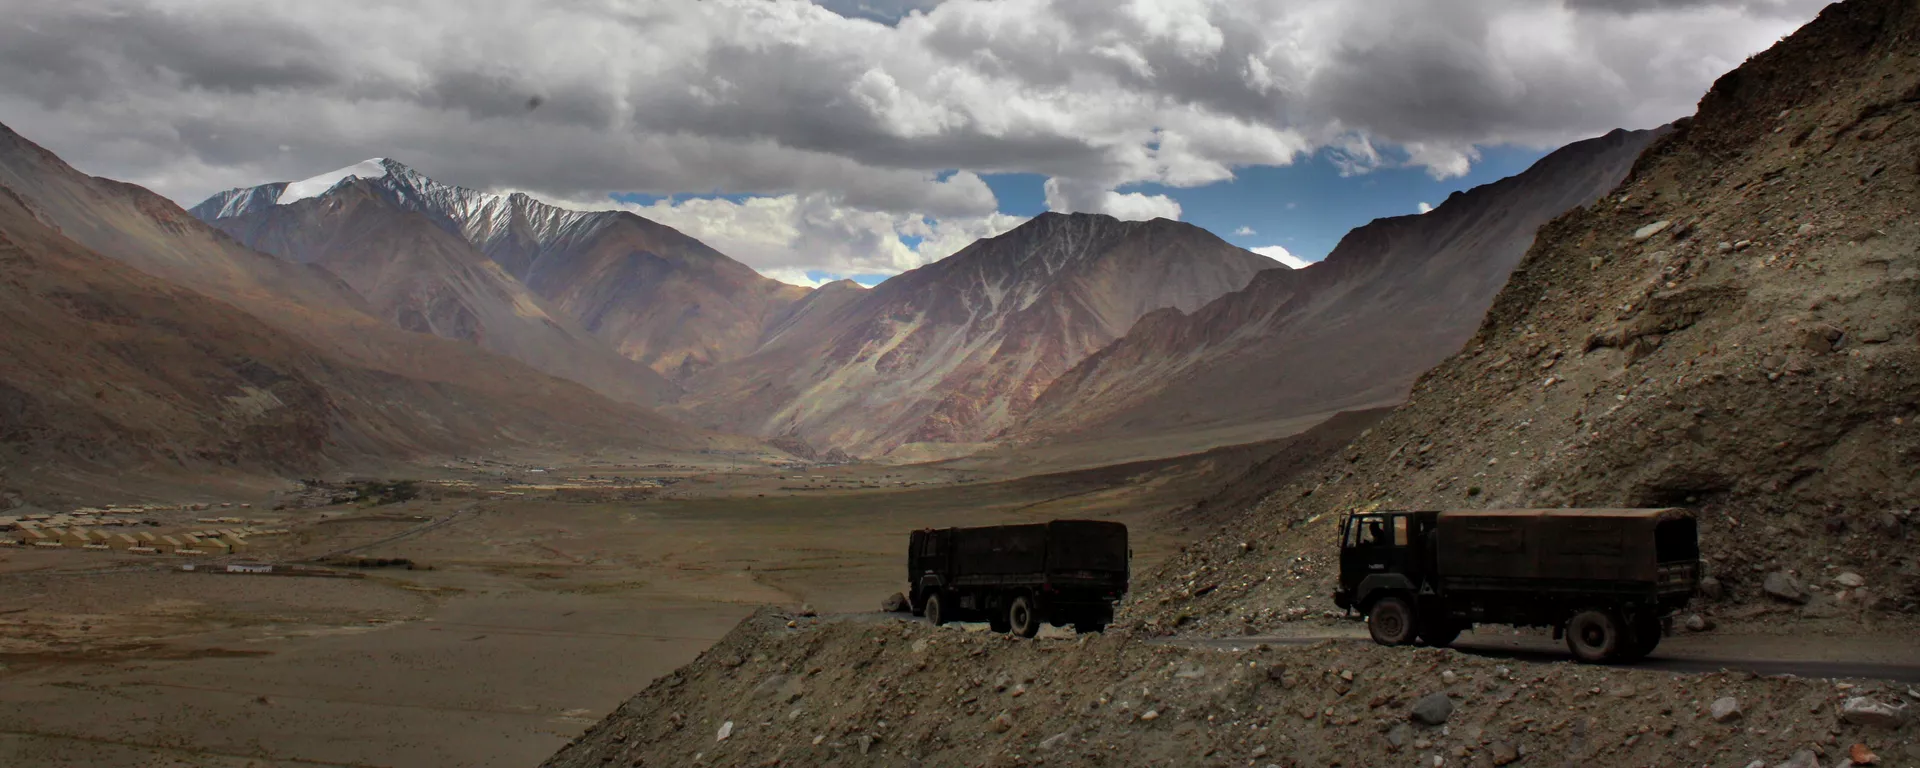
(1607, 580)
(1016, 577)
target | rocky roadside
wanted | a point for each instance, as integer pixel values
(907, 694)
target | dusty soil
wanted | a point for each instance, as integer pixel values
(538, 616)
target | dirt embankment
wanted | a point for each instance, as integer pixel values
(1736, 329)
(902, 694)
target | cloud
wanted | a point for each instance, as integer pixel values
(784, 98)
(1244, 231)
(787, 236)
(1280, 254)
(1424, 207)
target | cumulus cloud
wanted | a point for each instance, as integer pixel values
(787, 236)
(1280, 254)
(1424, 207)
(802, 102)
(1244, 231)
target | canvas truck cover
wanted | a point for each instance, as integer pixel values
(1062, 545)
(1583, 544)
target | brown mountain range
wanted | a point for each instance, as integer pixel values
(191, 345)
(1394, 298)
(423, 278)
(955, 351)
(656, 295)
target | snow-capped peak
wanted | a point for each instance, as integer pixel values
(319, 185)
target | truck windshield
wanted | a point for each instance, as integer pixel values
(1370, 532)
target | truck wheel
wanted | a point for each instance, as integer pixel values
(1595, 636)
(1644, 637)
(1440, 631)
(918, 605)
(1391, 621)
(935, 612)
(1022, 619)
(997, 619)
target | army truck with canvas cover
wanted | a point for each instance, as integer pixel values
(1608, 580)
(1016, 577)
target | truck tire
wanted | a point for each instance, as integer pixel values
(997, 619)
(1390, 621)
(1093, 621)
(1596, 637)
(1439, 631)
(1023, 617)
(934, 609)
(918, 605)
(1643, 637)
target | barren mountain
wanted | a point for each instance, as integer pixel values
(108, 369)
(656, 295)
(1394, 298)
(956, 350)
(394, 393)
(422, 278)
(1736, 328)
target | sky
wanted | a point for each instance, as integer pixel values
(831, 138)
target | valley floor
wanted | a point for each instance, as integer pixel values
(535, 606)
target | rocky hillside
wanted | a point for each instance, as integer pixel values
(1735, 328)
(383, 393)
(957, 350)
(657, 296)
(812, 693)
(1393, 299)
(423, 278)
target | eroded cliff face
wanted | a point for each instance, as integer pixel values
(957, 350)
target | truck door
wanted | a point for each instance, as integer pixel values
(1377, 544)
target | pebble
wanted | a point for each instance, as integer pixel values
(1650, 230)
(1850, 580)
(1151, 714)
(1725, 709)
(726, 731)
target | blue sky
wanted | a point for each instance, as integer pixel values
(1305, 207)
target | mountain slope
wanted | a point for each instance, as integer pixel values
(422, 278)
(422, 395)
(1392, 299)
(956, 350)
(104, 368)
(657, 296)
(1736, 328)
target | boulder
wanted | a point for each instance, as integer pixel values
(1725, 709)
(1432, 709)
(1711, 588)
(1698, 623)
(1784, 587)
(1861, 710)
(895, 603)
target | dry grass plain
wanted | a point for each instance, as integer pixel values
(537, 617)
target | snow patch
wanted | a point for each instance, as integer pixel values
(319, 185)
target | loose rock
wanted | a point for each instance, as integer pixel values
(1432, 709)
(1724, 709)
(1861, 755)
(895, 603)
(1850, 580)
(1503, 753)
(1803, 759)
(1784, 587)
(1861, 710)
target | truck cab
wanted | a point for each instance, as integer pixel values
(1382, 548)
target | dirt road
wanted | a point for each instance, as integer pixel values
(1866, 657)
